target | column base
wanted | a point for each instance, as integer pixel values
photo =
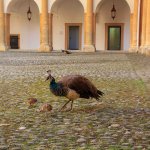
(142, 49)
(147, 51)
(133, 49)
(89, 48)
(3, 48)
(45, 48)
(7, 47)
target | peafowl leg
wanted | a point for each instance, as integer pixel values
(71, 106)
(65, 105)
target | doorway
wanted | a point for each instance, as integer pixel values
(114, 36)
(73, 36)
(14, 41)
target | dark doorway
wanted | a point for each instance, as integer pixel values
(74, 37)
(114, 37)
(14, 41)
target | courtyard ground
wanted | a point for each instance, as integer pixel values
(120, 122)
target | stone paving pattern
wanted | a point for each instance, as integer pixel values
(120, 122)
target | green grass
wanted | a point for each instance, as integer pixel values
(94, 120)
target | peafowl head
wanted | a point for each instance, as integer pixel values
(50, 76)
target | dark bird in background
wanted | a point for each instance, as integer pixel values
(66, 51)
(73, 87)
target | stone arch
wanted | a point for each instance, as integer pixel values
(27, 31)
(66, 13)
(54, 2)
(8, 4)
(130, 4)
(103, 20)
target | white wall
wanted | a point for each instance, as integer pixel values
(19, 24)
(7, 2)
(129, 2)
(52, 2)
(104, 16)
(68, 11)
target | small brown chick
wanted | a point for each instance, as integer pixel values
(45, 108)
(31, 101)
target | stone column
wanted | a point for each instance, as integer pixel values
(7, 30)
(44, 28)
(51, 30)
(2, 27)
(131, 32)
(143, 28)
(88, 27)
(94, 29)
(40, 28)
(148, 29)
(133, 27)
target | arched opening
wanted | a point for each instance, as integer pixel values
(67, 26)
(112, 34)
(24, 34)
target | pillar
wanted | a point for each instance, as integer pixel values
(7, 30)
(94, 29)
(133, 27)
(88, 27)
(2, 27)
(143, 26)
(147, 43)
(51, 30)
(131, 32)
(44, 28)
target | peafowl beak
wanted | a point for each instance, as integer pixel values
(49, 75)
(47, 78)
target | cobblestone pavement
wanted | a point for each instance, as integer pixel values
(120, 122)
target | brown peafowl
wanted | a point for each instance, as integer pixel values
(73, 87)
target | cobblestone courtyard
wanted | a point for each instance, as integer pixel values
(120, 122)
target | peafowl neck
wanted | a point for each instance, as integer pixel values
(57, 89)
(53, 84)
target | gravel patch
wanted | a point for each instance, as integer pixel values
(120, 121)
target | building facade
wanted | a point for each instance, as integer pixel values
(85, 25)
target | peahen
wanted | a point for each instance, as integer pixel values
(73, 87)
(66, 51)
